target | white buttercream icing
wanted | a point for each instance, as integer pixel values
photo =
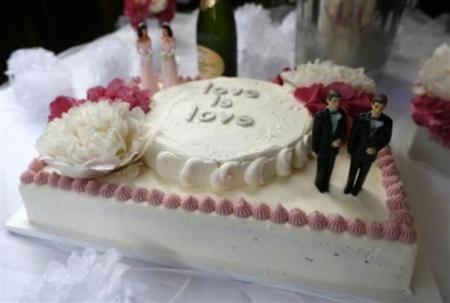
(227, 132)
(434, 78)
(326, 72)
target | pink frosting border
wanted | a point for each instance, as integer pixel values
(399, 226)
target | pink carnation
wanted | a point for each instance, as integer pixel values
(61, 105)
(117, 90)
(138, 11)
(353, 101)
(432, 113)
(167, 14)
(96, 93)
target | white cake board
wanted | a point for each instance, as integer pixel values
(423, 284)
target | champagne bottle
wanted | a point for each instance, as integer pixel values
(216, 39)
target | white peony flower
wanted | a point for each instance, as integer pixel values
(434, 78)
(94, 138)
(157, 6)
(326, 72)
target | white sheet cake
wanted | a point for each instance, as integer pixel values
(227, 184)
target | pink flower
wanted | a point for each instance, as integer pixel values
(434, 114)
(117, 90)
(167, 14)
(96, 93)
(138, 10)
(352, 101)
(59, 106)
(278, 79)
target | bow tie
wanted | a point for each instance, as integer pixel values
(334, 113)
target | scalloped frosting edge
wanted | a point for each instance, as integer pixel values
(231, 174)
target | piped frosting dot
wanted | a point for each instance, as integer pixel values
(407, 234)
(139, 194)
(297, 217)
(242, 209)
(261, 212)
(317, 220)
(389, 170)
(391, 231)
(375, 230)
(385, 161)
(123, 193)
(356, 227)
(36, 165)
(385, 151)
(93, 187)
(279, 215)
(79, 185)
(190, 203)
(395, 189)
(27, 177)
(53, 179)
(41, 178)
(401, 217)
(65, 183)
(208, 205)
(107, 190)
(336, 223)
(172, 201)
(225, 207)
(155, 197)
(390, 180)
(397, 202)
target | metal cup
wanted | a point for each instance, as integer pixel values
(348, 32)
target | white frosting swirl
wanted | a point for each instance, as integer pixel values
(434, 78)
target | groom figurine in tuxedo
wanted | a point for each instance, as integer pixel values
(329, 130)
(371, 132)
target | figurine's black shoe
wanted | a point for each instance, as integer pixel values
(348, 190)
(355, 192)
(320, 188)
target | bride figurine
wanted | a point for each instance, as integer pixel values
(144, 48)
(168, 64)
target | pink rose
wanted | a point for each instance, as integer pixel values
(59, 106)
(96, 93)
(352, 101)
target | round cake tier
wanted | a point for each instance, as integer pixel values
(227, 132)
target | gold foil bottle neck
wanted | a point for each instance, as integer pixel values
(205, 4)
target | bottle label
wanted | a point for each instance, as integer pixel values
(205, 4)
(210, 63)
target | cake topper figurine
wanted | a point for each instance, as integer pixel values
(144, 48)
(168, 64)
(329, 130)
(371, 132)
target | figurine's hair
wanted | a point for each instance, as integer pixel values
(380, 98)
(333, 94)
(140, 29)
(167, 27)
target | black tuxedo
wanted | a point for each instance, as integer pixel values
(363, 136)
(322, 138)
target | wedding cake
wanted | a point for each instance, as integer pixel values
(218, 174)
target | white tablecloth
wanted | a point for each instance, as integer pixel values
(23, 259)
